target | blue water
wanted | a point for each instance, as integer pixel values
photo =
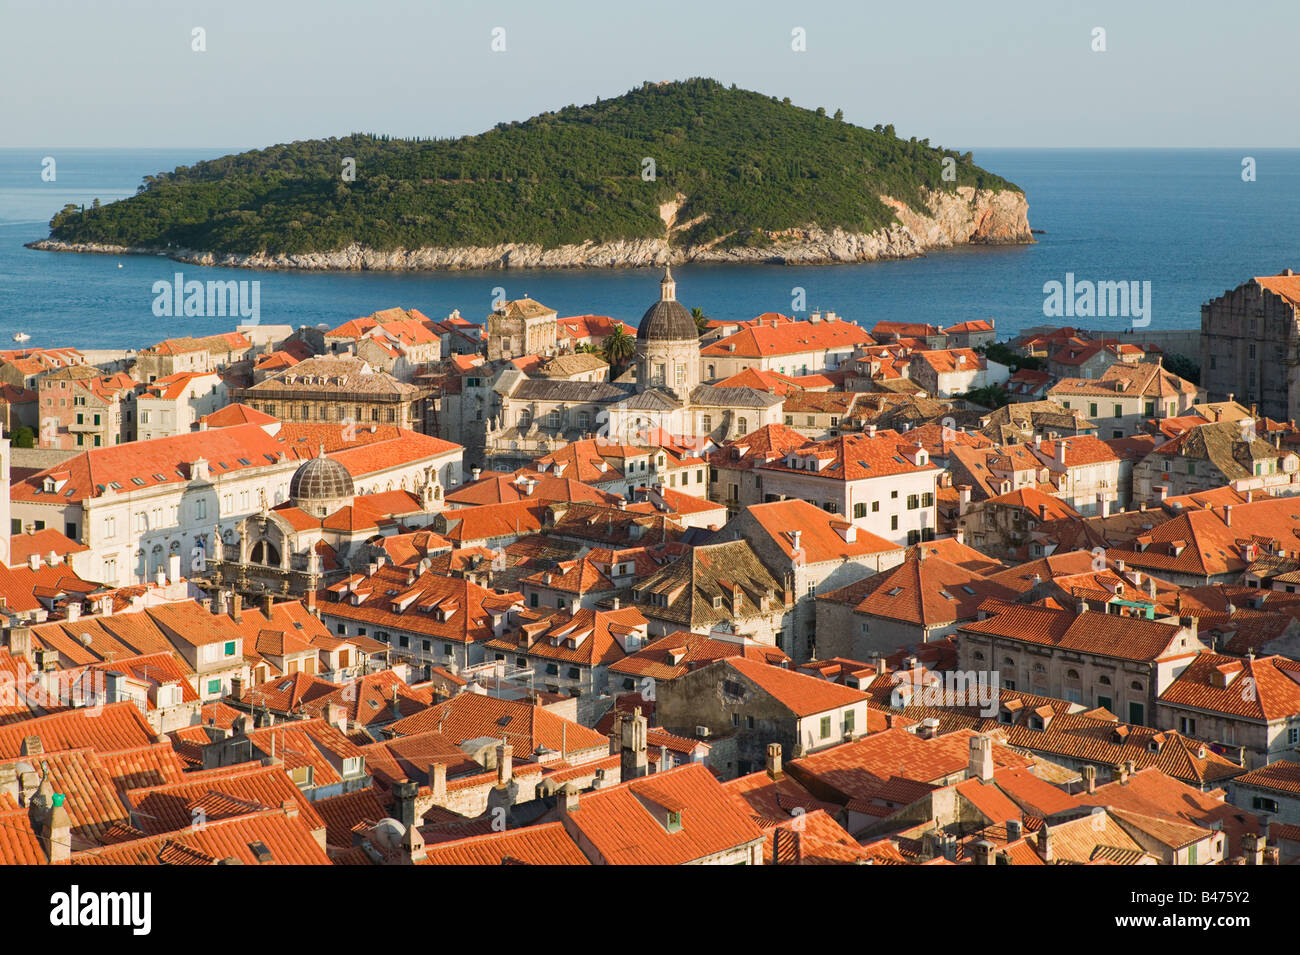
(1182, 219)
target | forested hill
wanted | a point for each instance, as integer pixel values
(745, 162)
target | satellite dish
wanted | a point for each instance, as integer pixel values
(86, 639)
(389, 832)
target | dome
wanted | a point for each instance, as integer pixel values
(667, 319)
(321, 479)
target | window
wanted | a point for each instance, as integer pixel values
(1135, 713)
(875, 507)
(674, 821)
(859, 510)
(214, 686)
(552, 668)
(849, 717)
(742, 426)
(1187, 726)
(1264, 804)
(1092, 409)
(1119, 411)
(893, 522)
(1293, 735)
(913, 501)
(826, 727)
(230, 648)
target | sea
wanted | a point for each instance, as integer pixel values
(1191, 222)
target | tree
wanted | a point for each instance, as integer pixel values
(24, 437)
(839, 115)
(617, 348)
(701, 320)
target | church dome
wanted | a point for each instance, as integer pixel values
(667, 319)
(321, 479)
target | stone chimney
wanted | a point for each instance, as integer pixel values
(1121, 773)
(237, 608)
(1060, 451)
(438, 783)
(963, 498)
(568, 798)
(981, 758)
(505, 763)
(1252, 848)
(1090, 778)
(1045, 843)
(982, 852)
(1227, 514)
(268, 602)
(633, 750)
(774, 770)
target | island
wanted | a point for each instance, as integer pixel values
(686, 171)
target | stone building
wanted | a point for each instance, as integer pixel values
(342, 389)
(1250, 345)
(521, 327)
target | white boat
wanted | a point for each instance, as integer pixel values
(22, 337)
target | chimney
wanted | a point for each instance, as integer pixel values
(1060, 451)
(505, 763)
(1121, 773)
(1252, 847)
(959, 535)
(1227, 514)
(74, 611)
(267, 603)
(404, 802)
(476, 473)
(159, 579)
(1045, 843)
(963, 498)
(797, 536)
(635, 761)
(774, 761)
(568, 798)
(1042, 512)
(237, 608)
(1105, 505)
(237, 687)
(1015, 829)
(1090, 778)
(438, 782)
(174, 568)
(1163, 491)
(982, 852)
(981, 758)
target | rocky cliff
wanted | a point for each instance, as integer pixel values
(966, 217)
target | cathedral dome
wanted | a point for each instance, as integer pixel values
(321, 480)
(667, 319)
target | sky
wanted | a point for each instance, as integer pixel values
(1010, 73)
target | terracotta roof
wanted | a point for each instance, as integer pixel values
(1267, 688)
(525, 725)
(623, 824)
(544, 844)
(793, 338)
(930, 592)
(822, 536)
(1126, 638)
(803, 695)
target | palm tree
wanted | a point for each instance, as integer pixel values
(618, 347)
(701, 320)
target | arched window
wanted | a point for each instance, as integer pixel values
(1008, 662)
(1104, 681)
(1136, 685)
(1072, 674)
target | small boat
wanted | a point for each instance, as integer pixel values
(22, 337)
(119, 265)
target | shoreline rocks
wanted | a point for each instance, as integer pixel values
(966, 217)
